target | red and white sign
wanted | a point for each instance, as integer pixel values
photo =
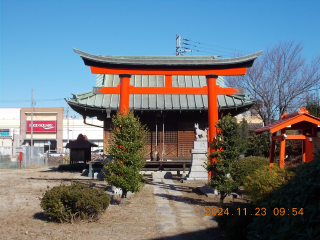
(42, 126)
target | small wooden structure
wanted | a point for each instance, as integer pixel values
(80, 150)
(301, 120)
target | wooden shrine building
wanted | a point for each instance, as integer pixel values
(301, 121)
(176, 97)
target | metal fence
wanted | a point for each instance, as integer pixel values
(31, 157)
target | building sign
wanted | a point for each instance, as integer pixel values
(20, 149)
(4, 132)
(42, 126)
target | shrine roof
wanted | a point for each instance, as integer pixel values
(157, 102)
(94, 99)
(167, 61)
(289, 119)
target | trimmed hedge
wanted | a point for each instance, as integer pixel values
(260, 185)
(75, 202)
(245, 166)
(301, 192)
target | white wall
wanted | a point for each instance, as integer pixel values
(76, 126)
(9, 113)
(10, 119)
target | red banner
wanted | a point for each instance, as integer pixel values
(42, 126)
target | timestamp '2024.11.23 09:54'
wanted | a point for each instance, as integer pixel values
(257, 212)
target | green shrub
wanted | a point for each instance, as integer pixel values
(258, 145)
(301, 192)
(74, 203)
(227, 138)
(260, 184)
(234, 224)
(127, 148)
(245, 166)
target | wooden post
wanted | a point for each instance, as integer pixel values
(212, 106)
(309, 145)
(304, 148)
(309, 149)
(282, 149)
(212, 113)
(272, 149)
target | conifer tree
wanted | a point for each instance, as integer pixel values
(127, 148)
(226, 150)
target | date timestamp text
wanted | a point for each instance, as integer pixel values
(257, 212)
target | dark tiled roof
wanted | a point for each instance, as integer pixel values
(169, 61)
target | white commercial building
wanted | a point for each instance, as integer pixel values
(11, 125)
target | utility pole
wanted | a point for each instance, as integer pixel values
(74, 116)
(68, 124)
(178, 45)
(180, 50)
(31, 143)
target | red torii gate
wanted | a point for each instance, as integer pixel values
(211, 67)
(300, 120)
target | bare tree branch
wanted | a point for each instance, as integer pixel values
(279, 80)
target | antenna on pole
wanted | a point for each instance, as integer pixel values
(177, 45)
(180, 50)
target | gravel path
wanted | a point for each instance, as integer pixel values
(177, 218)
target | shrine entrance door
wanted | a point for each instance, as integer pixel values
(162, 140)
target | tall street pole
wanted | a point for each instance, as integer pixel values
(31, 144)
(68, 124)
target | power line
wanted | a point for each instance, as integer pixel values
(194, 46)
(199, 50)
(214, 45)
(35, 100)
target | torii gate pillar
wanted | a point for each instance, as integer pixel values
(212, 106)
(124, 92)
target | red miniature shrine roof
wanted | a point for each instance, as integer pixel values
(289, 119)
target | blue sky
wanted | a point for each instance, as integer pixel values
(38, 37)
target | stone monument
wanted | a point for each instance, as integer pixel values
(199, 156)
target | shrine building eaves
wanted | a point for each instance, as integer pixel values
(168, 62)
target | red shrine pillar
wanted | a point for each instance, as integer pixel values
(272, 149)
(304, 146)
(309, 143)
(212, 112)
(282, 149)
(124, 92)
(212, 106)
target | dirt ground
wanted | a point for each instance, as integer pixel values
(21, 216)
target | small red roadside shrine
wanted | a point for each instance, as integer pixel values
(209, 66)
(300, 120)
